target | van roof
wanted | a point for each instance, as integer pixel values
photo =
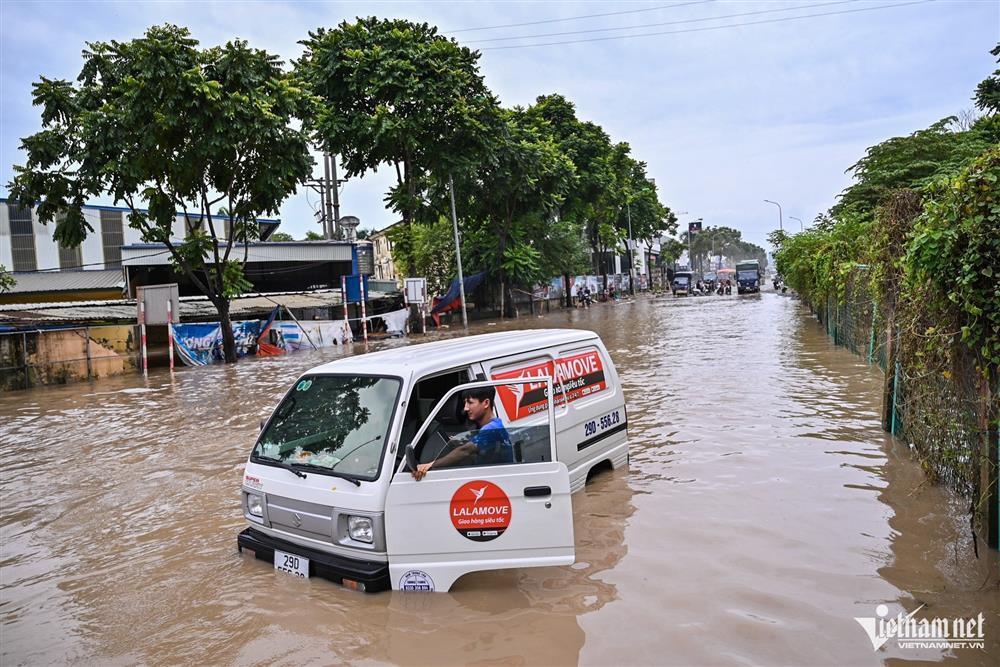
(444, 354)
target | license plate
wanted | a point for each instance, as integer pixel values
(291, 564)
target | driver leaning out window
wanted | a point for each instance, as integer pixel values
(490, 445)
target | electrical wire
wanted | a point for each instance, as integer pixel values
(708, 28)
(578, 18)
(80, 266)
(655, 25)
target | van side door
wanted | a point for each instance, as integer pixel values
(496, 501)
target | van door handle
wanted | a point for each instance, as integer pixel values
(537, 491)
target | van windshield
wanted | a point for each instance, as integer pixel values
(334, 422)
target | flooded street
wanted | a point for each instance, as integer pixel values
(764, 509)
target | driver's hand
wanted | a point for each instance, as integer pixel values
(421, 470)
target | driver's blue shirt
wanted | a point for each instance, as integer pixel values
(493, 444)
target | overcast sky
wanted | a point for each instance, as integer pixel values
(725, 118)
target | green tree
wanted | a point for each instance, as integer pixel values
(511, 200)
(914, 162)
(988, 92)
(956, 246)
(588, 147)
(313, 236)
(6, 280)
(671, 250)
(164, 125)
(396, 93)
(429, 252)
(281, 236)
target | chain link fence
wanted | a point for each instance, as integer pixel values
(933, 395)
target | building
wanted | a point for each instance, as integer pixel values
(270, 266)
(26, 245)
(113, 260)
(384, 267)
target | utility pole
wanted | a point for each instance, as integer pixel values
(328, 224)
(335, 196)
(458, 252)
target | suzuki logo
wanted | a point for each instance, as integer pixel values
(296, 519)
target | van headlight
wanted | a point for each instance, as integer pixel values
(360, 528)
(255, 504)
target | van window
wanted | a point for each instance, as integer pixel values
(331, 423)
(575, 375)
(425, 395)
(453, 440)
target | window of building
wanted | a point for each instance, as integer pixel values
(113, 238)
(70, 259)
(22, 238)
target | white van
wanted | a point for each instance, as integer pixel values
(328, 491)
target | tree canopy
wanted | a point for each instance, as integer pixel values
(396, 93)
(165, 126)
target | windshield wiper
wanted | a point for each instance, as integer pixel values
(330, 471)
(278, 463)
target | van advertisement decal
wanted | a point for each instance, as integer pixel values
(480, 511)
(581, 375)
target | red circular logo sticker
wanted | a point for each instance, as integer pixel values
(480, 511)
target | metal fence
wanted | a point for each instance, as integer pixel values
(60, 356)
(934, 399)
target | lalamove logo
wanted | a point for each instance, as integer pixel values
(911, 632)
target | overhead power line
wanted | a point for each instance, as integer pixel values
(708, 28)
(578, 18)
(656, 25)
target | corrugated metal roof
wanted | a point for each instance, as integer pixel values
(155, 254)
(67, 281)
(192, 308)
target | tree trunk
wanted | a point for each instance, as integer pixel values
(226, 327)
(567, 291)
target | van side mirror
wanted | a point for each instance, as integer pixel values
(263, 423)
(411, 457)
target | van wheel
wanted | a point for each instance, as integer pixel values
(599, 468)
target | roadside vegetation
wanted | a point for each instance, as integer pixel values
(917, 236)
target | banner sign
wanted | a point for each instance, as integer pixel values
(580, 375)
(200, 344)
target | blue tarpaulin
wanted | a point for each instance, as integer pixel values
(471, 283)
(200, 344)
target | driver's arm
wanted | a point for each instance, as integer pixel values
(456, 456)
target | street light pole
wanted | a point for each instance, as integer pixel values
(781, 224)
(458, 252)
(792, 217)
(631, 261)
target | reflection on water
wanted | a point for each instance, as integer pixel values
(763, 509)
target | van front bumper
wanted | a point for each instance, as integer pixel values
(373, 575)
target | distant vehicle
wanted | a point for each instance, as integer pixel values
(748, 276)
(683, 283)
(711, 281)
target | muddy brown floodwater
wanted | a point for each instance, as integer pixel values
(762, 511)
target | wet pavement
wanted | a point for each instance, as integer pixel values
(763, 510)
